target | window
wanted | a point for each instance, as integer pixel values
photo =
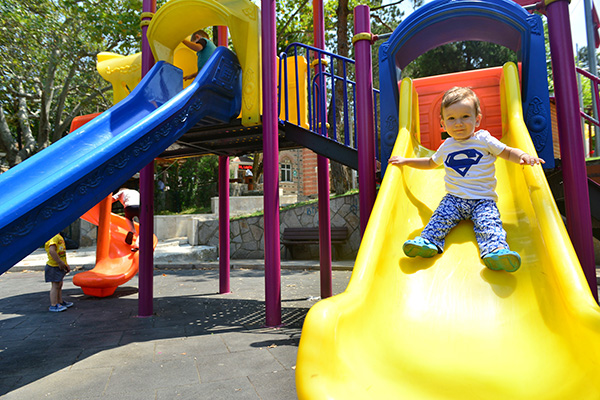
(286, 171)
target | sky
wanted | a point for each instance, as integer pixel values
(577, 17)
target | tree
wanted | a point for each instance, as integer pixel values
(187, 184)
(48, 75)
(459, 56)
(383, 22)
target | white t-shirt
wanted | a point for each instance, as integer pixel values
(128, 197)
(469, 165)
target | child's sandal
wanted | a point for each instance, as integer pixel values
(503, 259)
(419, 247)
(129, 238)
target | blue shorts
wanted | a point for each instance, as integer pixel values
(54, 274)
(489, 233)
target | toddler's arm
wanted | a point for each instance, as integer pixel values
(520, 157)
(193, 45)
(419, 163)
(61, 264)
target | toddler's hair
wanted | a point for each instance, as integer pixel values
(202, 33)
(457, 94)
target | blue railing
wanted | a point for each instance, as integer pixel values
(321, 73)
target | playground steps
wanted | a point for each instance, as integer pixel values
(322, 145)
(555, 180)
(233, 139)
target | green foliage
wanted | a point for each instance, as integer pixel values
(585, 92)
(582, 62)
(189, 184)
(295, 20)
(459, 56)
(48, 54)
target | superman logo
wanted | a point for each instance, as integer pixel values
(461, 161)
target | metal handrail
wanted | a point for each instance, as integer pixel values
(322, 74)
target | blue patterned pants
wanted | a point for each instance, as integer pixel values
(484, 213)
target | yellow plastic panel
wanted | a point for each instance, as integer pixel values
(178, 19)
(296, 94)
(186, 59)
(123, 72)
(447, 327)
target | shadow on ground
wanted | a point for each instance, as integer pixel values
(36, 343)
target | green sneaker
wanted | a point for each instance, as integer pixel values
(419, 247)
(503, 259)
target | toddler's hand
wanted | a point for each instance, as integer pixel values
(527, 159)
(64, 267)
(397, 160)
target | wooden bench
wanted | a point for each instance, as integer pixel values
(298, 236)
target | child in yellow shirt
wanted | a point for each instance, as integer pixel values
(55, 271)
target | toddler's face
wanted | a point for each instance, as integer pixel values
(460, 119)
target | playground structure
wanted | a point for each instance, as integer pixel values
(115, 262)
(144, 123)
(73, 175)
(545, 292)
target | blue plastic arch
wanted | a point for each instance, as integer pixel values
(444, 21)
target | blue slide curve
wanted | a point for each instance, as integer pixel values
(50, 190)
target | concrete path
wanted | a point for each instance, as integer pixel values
(198, 344)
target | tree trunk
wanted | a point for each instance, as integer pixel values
(43, 138)
(257, 167)
(29, 147)
(59, 125)
(8, 141)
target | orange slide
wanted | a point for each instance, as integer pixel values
(115, 262)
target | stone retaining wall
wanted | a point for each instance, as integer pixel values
(247, 234)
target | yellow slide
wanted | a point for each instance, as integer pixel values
(447, 327)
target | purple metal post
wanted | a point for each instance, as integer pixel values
(271, 164)
(224, 244)
(577, 203)
(224, 262)
(365, 122)
(146, 239)
(323, 163)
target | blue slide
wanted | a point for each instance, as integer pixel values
(50, 190)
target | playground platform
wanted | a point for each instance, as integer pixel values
(199, 344)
